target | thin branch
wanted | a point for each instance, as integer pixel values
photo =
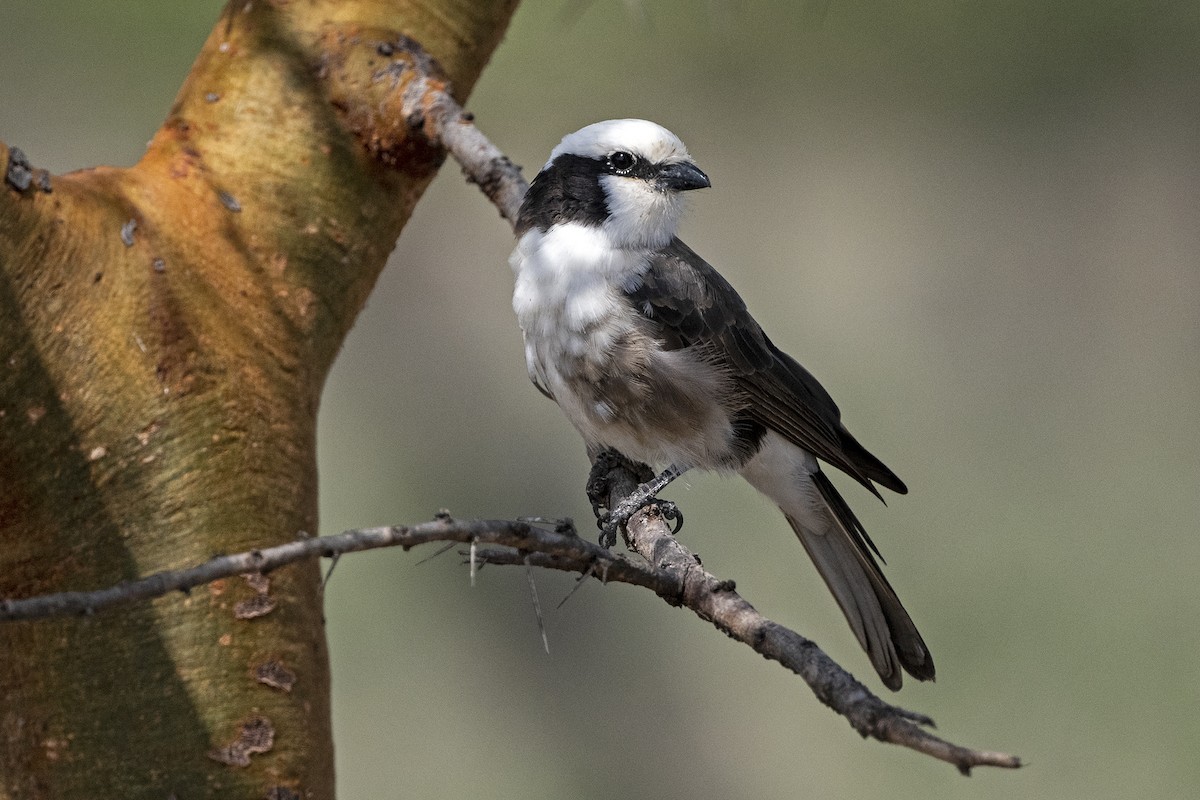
(717, 601)
(444, 121)
(520, 535)
(670, 571)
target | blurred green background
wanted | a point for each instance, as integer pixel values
(978, 224)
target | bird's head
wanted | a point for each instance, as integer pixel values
(624, 175)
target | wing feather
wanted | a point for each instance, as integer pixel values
(692, 305)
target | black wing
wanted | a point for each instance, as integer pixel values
(693, 306)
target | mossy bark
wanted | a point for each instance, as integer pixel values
(165, 331)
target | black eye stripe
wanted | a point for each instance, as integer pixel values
(571, 189)
(627, 165)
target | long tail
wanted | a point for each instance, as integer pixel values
(842, 553)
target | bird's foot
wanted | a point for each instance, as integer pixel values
(607, 466)
(611, 523)
(611, 470)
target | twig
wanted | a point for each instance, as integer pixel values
(442, 529)
(444, 121)
(333, 562)
(648, 534)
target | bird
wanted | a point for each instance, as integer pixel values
(648, 350)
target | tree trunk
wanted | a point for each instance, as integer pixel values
(165, 331)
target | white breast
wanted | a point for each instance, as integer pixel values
(567, 294)
(662, 407)
(568, 303)
(568, 276)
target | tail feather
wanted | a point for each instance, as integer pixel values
(839, 547)
(904, 640)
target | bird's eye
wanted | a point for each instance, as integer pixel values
(621, 162)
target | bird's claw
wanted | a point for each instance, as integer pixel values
(670, 512)
(608, 532)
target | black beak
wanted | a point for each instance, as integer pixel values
(682, 177)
